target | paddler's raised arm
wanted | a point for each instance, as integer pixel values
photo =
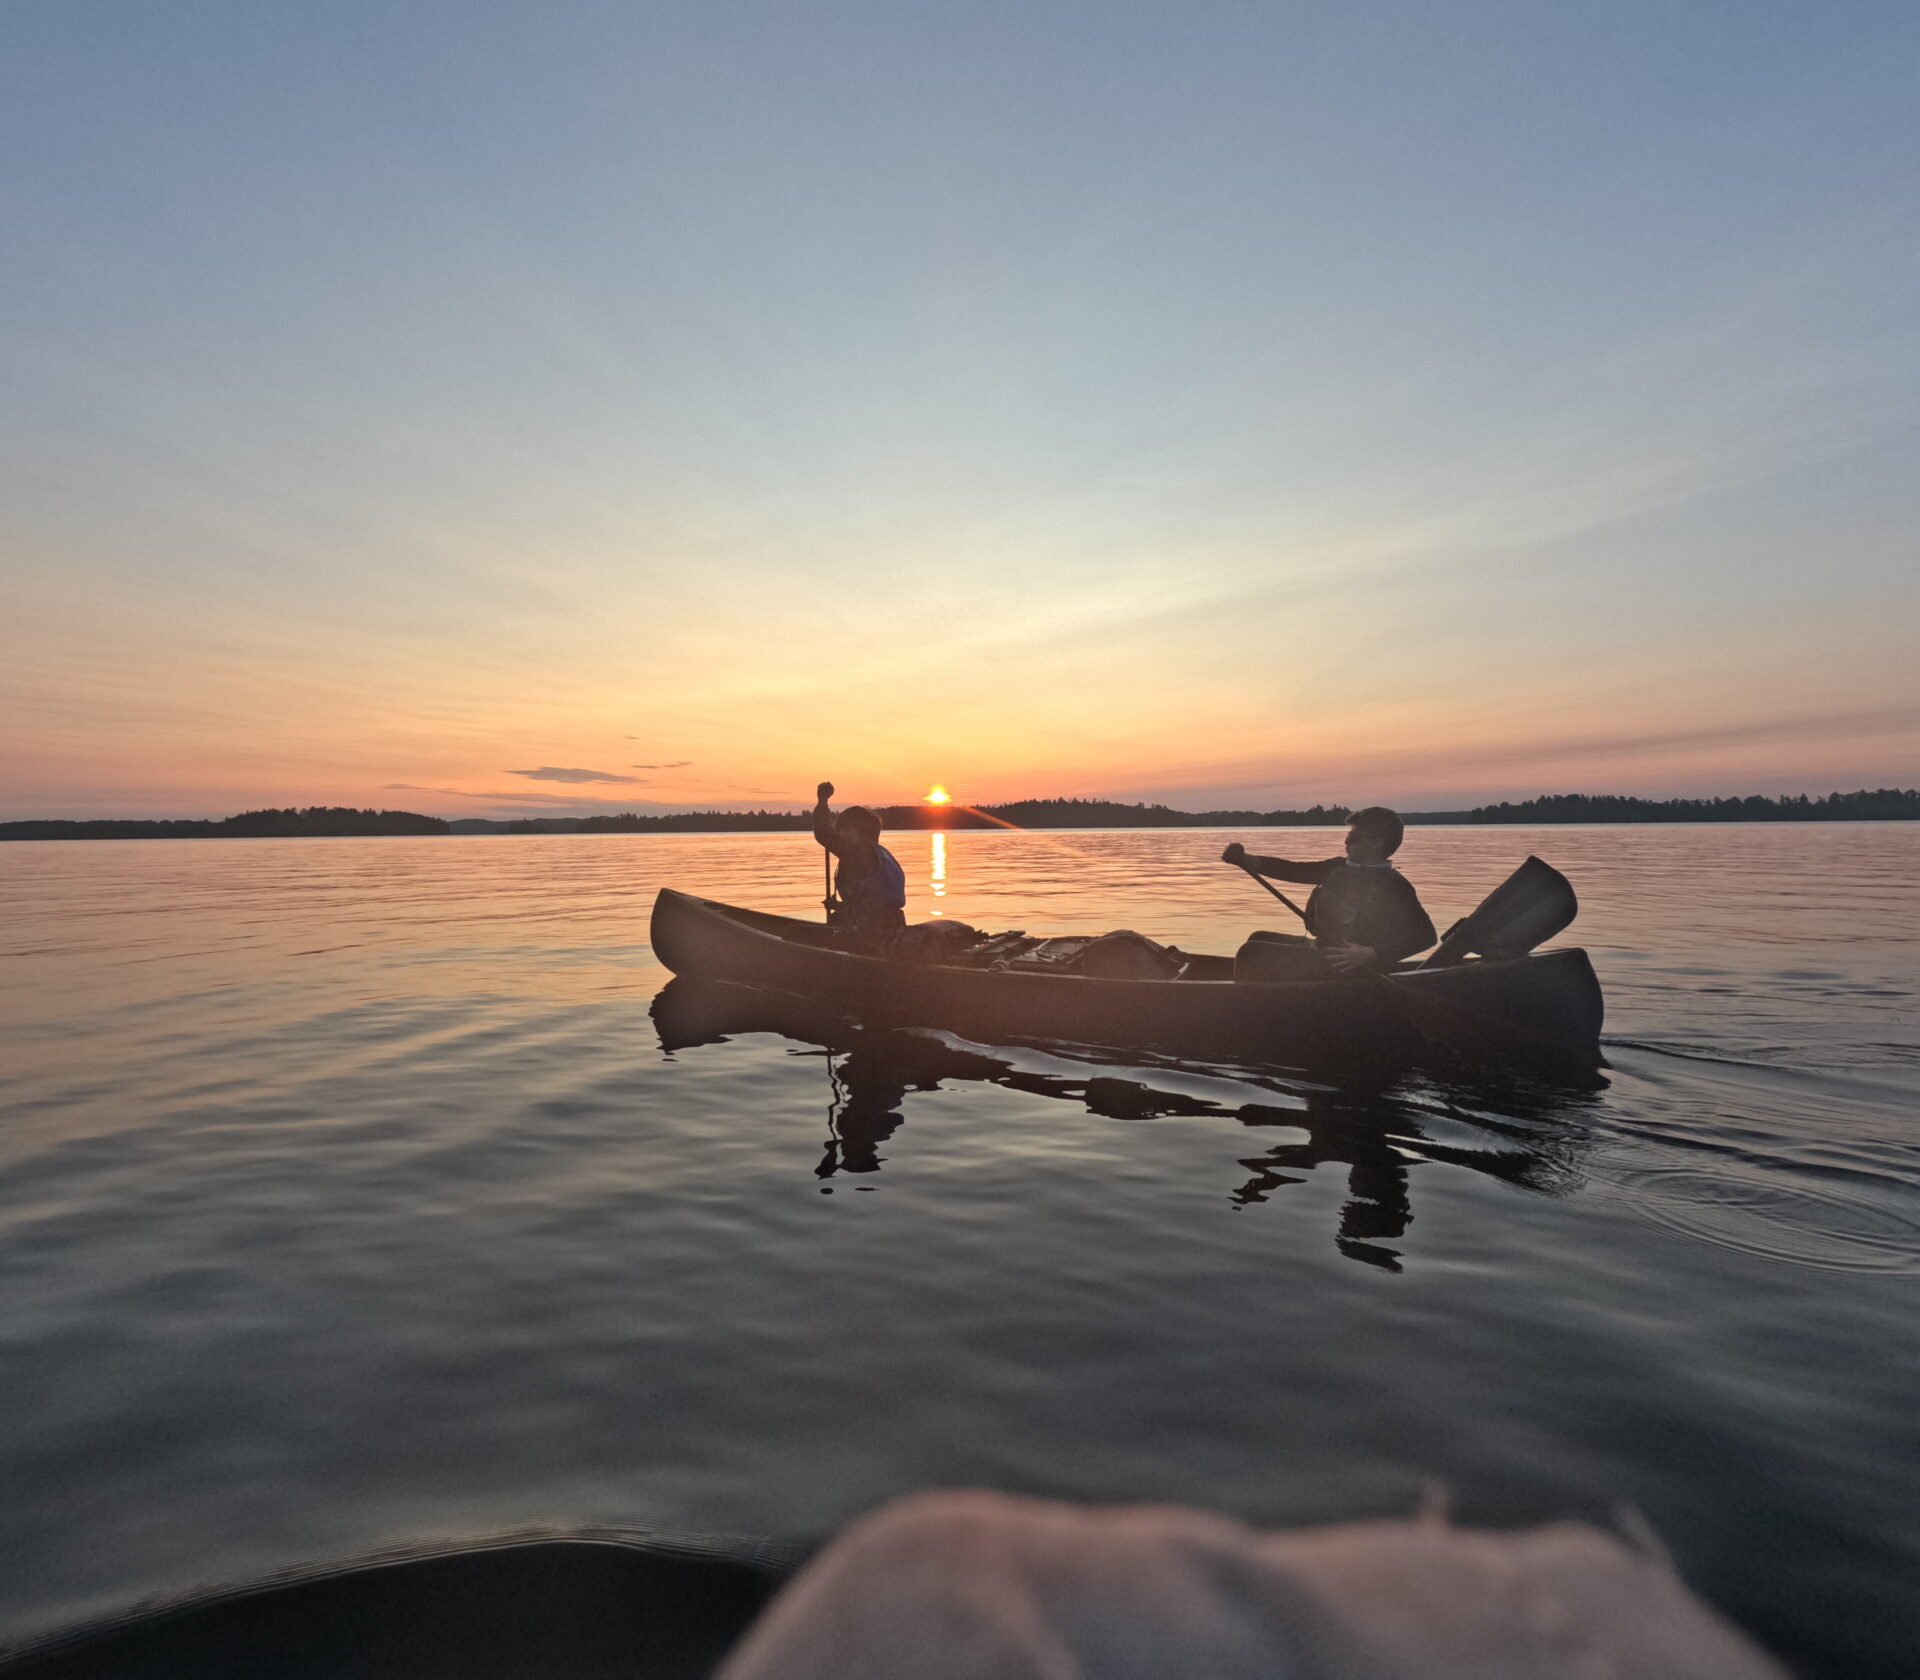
(823, 825)
(1281, 869)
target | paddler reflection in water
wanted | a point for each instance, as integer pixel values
(869, 886)
(1363, 916)
(869, 1094)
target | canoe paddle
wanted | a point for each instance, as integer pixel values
(1277, 893)
(825, 791)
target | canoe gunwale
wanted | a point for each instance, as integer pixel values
(737, 916)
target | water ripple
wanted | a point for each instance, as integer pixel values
(1845, 1222)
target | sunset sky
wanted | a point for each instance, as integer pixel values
(489, 409)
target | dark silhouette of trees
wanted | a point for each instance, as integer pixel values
(1096, 813)
(331, 819)
(1021, 813)
(677, 822)
(1882, 805)
(314, 820)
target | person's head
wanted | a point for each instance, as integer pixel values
(1373, 835)
(858, 823)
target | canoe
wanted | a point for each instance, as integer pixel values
(1546, 1004)
(612, 1604)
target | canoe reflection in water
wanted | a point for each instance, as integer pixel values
(1517, 1128)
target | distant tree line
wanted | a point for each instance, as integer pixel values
(1882, 805)
(314, 819)
(672, 822)
(1021, 813)
(1098, 813)
(1887, 804)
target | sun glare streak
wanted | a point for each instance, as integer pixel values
(937, 866)
(1045, 836)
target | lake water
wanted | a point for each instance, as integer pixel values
(348, 1196)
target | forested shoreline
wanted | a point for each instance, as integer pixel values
(1021, 813)
(313, 820)
(1881, 805)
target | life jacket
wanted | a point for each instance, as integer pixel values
(877, 885)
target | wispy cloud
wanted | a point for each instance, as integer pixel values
(554, 773)
(677, 764)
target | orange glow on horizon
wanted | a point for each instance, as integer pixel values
(937, 795)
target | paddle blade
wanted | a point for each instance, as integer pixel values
(1527, 909)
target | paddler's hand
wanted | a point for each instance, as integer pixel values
(1349, 959)
(1235, 853)
(825, 791)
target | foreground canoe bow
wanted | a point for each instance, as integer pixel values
(601, 1605)
(1547, 1004)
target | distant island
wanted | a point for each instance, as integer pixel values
(1883, 805)
(249, 825)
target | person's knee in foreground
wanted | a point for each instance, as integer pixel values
(979, 1586)
(870, 887)
(1363, 914)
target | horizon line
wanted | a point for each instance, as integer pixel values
(800, 808)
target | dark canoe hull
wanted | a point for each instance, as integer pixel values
(616, 1608)
(1547, 1004)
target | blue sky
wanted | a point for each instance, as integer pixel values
(1230, 404)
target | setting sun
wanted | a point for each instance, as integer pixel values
(937, 795)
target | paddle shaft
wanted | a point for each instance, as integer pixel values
(1277, 893)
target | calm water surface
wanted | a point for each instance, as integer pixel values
(350, 1193)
